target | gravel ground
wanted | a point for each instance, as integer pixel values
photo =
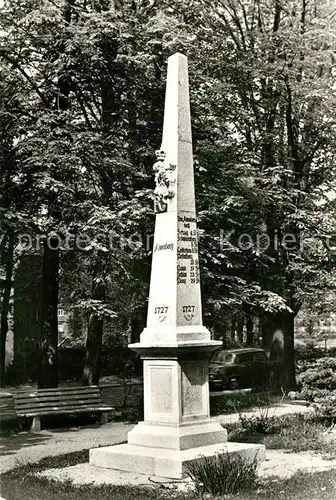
(278, 463)
(27, 447)
(278, 411)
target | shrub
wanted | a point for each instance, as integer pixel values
(325, 407)
(319, 375)
(261, 423)
(318, 383)
(307, 352)
(223, 474)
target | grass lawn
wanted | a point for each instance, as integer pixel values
(20, 484)
(292, 432)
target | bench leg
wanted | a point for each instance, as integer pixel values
(36, 425)
(104, 418)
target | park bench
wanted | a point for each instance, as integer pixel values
(7, 408)
(37, 403)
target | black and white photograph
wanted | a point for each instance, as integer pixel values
(168, 249)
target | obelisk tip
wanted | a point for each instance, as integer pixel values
(178, 55)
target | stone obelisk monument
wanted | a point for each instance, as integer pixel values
(175, 346)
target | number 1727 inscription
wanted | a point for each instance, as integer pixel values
(161, 310)
(164, 309)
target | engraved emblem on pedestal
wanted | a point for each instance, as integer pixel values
(188, 312)
(160, 313)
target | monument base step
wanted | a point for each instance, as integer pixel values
(182, 437)
(164, 462)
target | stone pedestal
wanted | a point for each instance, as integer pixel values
(164, 462)
(177, 426)
(175, 346)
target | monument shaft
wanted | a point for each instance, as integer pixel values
(174, 306)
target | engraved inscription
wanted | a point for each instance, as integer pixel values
(164, 246)
(161, 309)
(188, 309)
(187, 251)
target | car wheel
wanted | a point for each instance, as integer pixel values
(233, 384)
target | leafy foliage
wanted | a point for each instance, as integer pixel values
(319, 387)
(86, 81)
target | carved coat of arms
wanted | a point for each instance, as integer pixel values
(165, 180)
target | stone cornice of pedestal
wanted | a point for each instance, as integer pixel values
(174, 334)
(195, 349)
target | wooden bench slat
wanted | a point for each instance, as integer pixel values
(37, 403)
(56, 406)
(60, 388)
(56, 393)
(53, 398)
(7, 407)
(81, 388)
(57, 403)
(42, 404)
(60, 397)
(57, 411)
(53, 393)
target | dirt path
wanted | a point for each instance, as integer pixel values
(278, 463)
(27, 447)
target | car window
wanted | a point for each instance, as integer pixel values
(223, 357)
(215, 356)
(245, 357)
(260, 356)
(227, 357)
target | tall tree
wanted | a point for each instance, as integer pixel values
(272, 119)
(263, 116)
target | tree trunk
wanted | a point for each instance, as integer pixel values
(240, 330)
(233, 330)
(93, 350)
(225, 330)
(289, 353)
(278, 340)
(48, 370)
(5, 305)
(95, 332)
(249, 331)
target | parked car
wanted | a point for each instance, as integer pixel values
(238, 368)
